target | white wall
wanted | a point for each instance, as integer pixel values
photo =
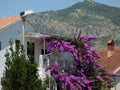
(11, 31)
(117, 81)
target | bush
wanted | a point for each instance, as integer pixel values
(86, 73)
(20, 73)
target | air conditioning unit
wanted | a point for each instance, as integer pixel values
(25, 13)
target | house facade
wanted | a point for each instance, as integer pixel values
(21, 31)
(11, 28)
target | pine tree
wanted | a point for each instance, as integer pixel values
(20, 73)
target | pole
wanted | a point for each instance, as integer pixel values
(23, 33)
(44, 46)
(49, 72)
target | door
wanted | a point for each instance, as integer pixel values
(31, 51)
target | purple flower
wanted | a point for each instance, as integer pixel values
(86, 81)
(62, 85)
(100, 78)
(72, 87)
(88, 61)
(89, 88)
(60, 48)
(85, 64)
(85, 45)
(89, 38)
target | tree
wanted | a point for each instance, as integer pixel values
(86, 73)
(20, 73)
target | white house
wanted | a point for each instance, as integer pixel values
(12, 28)
(17, 29)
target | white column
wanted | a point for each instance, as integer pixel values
(23, 33)
(44, 46)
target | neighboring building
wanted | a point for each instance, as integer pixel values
(110, 60)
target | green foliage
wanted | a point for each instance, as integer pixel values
(92, 8)
(91, 17)
(20, 73)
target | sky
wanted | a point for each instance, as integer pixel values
(14, 7)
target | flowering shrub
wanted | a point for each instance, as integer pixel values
(86, 74)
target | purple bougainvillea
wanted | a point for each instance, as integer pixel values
(86, 73)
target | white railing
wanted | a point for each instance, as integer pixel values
(42, 74)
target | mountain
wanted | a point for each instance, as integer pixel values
(90, 17)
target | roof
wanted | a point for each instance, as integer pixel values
(7, 20)
(35, 35)
(110, 63)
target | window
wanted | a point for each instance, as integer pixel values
(42, 51)
(30, 51)
(0, 46)
(17, 43)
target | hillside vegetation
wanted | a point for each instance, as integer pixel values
(90, 17)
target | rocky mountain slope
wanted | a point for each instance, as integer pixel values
(90, 17)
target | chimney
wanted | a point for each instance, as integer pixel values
(110, 48)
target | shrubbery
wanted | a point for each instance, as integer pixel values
(20, 73)
(86, 73)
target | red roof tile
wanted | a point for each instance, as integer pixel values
(110, 63)
(7, 20)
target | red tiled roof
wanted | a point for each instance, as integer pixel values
(7, 20)
(110, 63)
